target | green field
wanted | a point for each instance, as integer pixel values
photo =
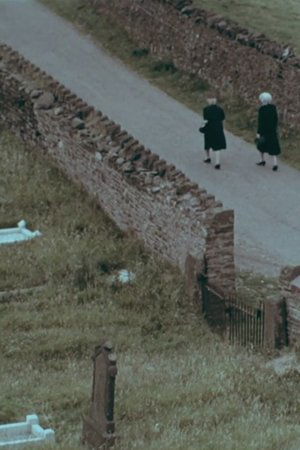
(277, 19)
(178, 387)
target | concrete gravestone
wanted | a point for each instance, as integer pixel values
(98, 425)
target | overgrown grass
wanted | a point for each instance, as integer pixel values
(190, 90)
(178, 385)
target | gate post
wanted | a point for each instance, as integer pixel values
(214, 308)
(275, 323)
(193, 271)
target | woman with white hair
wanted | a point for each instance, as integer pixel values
(267, 138)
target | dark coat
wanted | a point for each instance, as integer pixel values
(214, 137)
(267, 128)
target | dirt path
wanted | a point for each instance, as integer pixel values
(266, 204)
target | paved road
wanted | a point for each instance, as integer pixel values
(266, 204)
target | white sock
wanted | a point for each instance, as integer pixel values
(275, 160)
(217, 157)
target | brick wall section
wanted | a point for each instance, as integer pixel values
(291, 294)
(137, 189)
(220, 237)
(229, 57)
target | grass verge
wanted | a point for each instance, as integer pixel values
(189, 90)
(178, 385)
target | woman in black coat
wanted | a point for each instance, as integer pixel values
(267, 137)
(214, 137)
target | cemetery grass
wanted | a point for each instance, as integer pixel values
(277, 22)
(179, 386)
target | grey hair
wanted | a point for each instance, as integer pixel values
(211, 100)
(265, 98)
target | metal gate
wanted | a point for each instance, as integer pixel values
(213, 307)
(241, 324)
(245, 324)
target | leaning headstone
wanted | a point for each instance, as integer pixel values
(98, 425)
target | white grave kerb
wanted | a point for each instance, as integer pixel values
(25, 434)
(17, 234)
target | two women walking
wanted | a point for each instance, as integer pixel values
(266, 137)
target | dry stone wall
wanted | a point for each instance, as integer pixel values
(139, 191)
(231, 58)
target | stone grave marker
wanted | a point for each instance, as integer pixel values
(98, 425)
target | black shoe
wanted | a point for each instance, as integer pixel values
(261, 163)
(275, 168)
(218, 166)
(207, 160)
